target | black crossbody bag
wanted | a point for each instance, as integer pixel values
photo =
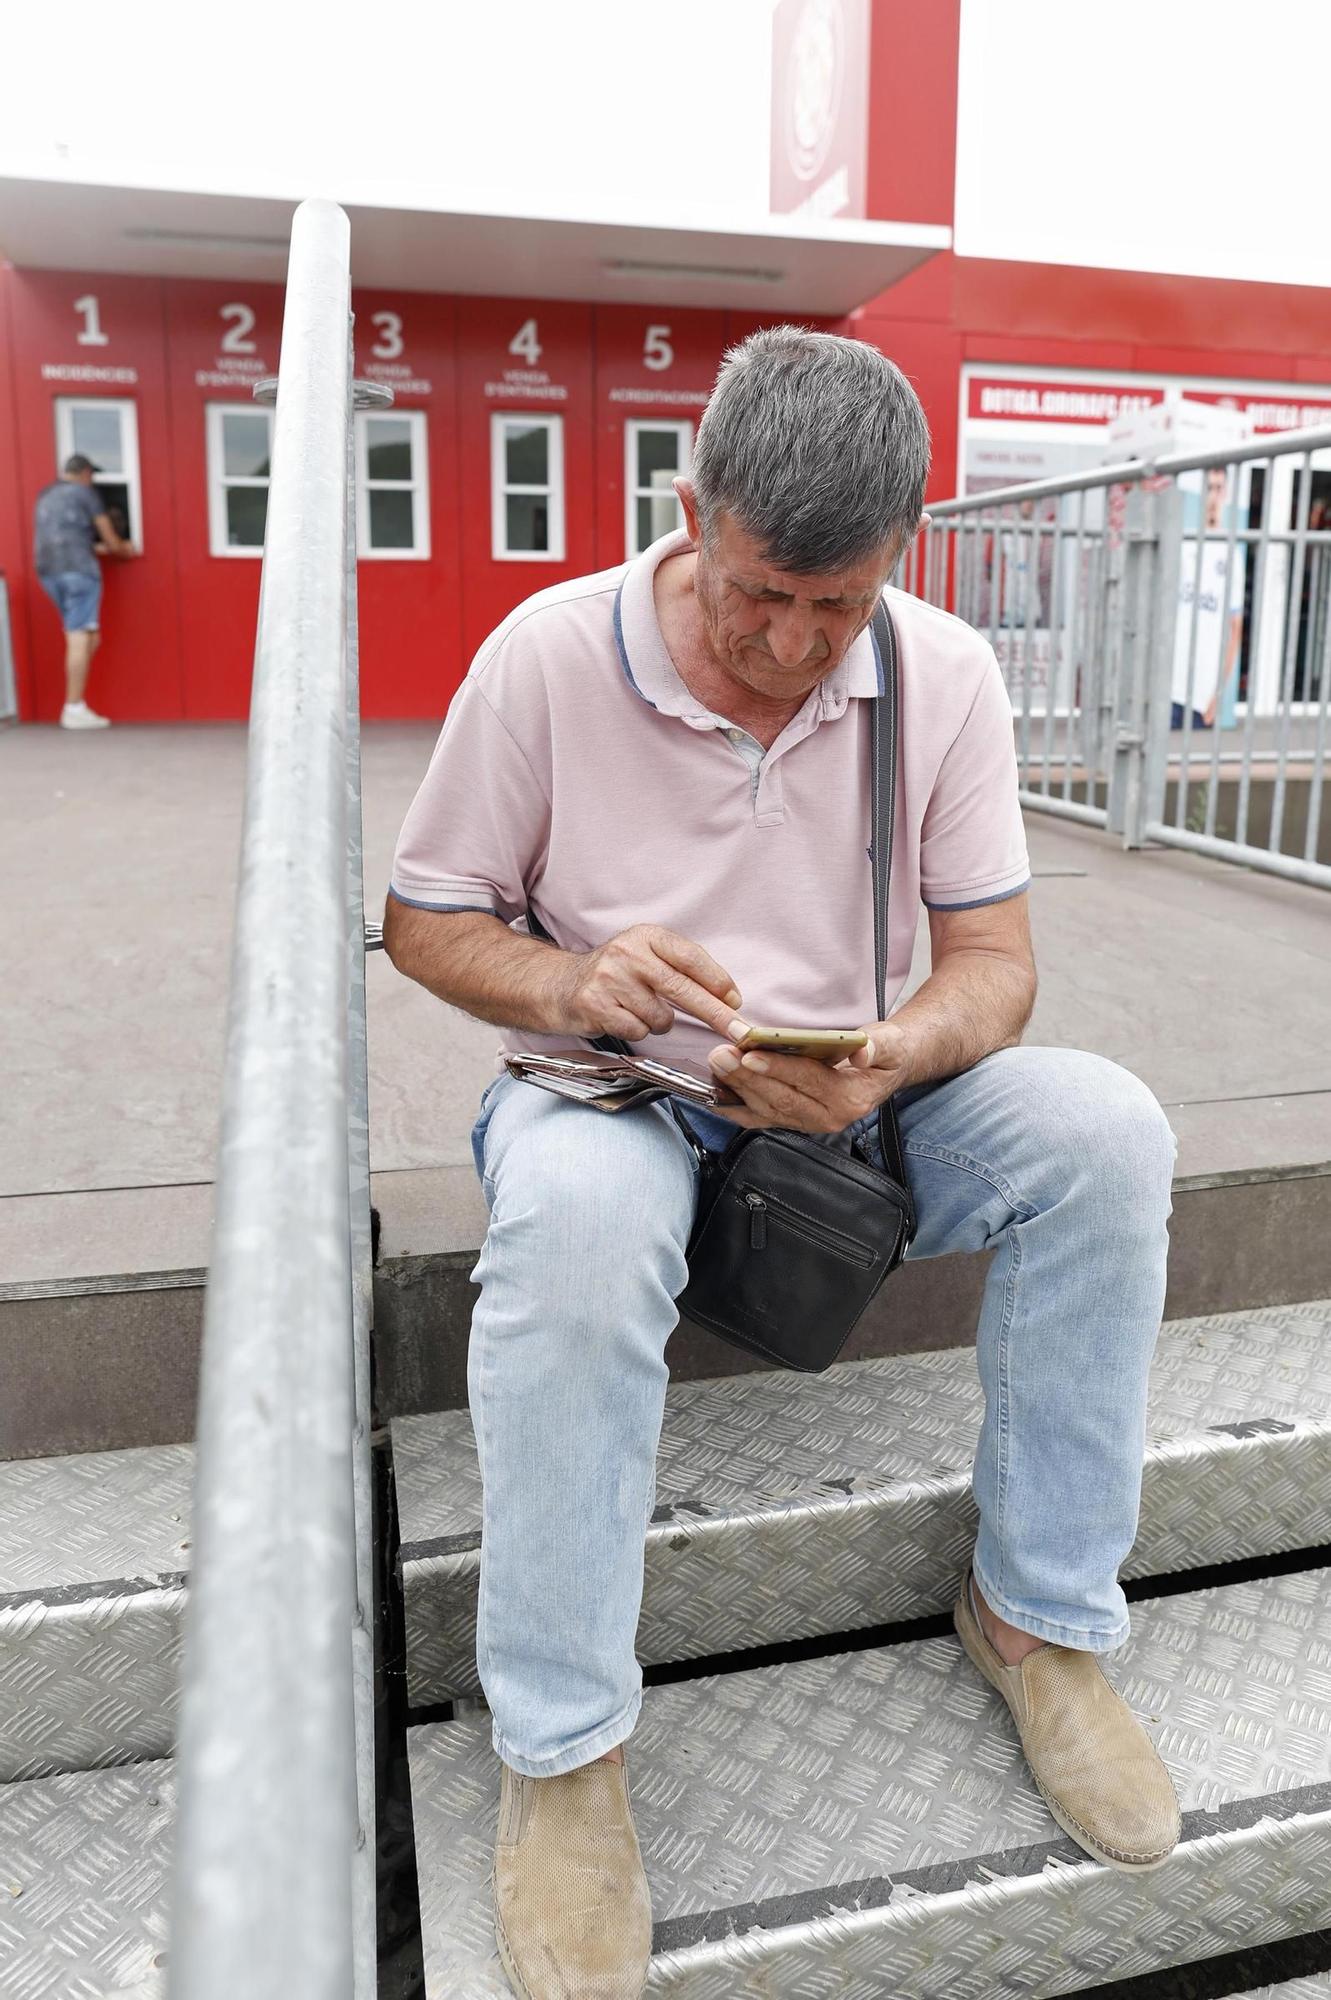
(792, 1239)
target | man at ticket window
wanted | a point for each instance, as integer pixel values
(71, 528)
(667, 766)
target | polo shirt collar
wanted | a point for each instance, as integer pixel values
(650, 672)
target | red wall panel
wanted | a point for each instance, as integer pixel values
(913, 109)
(557, 382)
(410, 610)
(1049, 353)
(651, 361)
(1215, 316)
(925, 293)
(219, 595)
(1256, 366)
(931, 358)
(136, 675)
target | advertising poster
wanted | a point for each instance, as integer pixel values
(1015, 430)
(1025, 424)
(1211, 580)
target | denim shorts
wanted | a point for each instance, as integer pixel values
(77, 597)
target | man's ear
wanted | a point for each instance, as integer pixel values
(688, 500)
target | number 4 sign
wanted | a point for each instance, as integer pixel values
(526, 343)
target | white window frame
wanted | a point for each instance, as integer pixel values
(65, 446)
(633, 429)
(500, 489)
(418, 486)
(219, 480)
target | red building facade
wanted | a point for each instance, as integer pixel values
(530, 440)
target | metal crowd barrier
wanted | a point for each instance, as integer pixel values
(1128, 606)
(273, 1891)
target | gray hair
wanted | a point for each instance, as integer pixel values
(816, 445)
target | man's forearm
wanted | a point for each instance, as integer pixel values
(474, 961)
(628, 987)
(970, 1005)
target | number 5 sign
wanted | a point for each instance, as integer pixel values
(657, 353)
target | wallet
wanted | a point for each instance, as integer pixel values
(612, 1082)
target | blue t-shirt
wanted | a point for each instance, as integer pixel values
(62, 529)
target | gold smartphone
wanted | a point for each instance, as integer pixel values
(822, 1044)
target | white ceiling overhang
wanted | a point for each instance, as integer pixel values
(777, 264)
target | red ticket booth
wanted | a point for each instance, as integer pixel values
(88, 365)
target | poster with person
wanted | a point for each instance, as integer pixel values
(1212, 579)
(1025, 577)
(1208, 626)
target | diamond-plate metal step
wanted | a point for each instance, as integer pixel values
(93, 1555)
(1316, 1986)
(83, 1884)
(791, 1506)
(851, 1826)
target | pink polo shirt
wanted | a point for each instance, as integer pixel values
(576, 776)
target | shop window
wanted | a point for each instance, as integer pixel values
(106, 430)
(240, 449)
(392, 491)
(654, 455)
(527, 488)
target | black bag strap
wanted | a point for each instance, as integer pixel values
(883, 727)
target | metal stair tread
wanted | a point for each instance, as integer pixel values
(1313, 1986)
(84, 1860)
(94, 1519)
(93, 1562)
(868, 1465)
(811, 1827)
(734, 1440)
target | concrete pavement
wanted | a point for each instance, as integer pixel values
(117, 873)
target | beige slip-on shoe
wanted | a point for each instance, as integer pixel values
(1097, 1770)
(573, 1918)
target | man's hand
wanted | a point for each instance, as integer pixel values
(107, 541)
(634, 984)
(801, 1095)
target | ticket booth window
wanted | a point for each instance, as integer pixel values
(106, 430)
(655, 454)
(392, 491)
(240, 449)
(527, 488)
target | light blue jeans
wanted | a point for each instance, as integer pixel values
(1059, 1162)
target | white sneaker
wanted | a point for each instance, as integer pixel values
(78, 715)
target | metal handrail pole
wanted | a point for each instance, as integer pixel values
(1316, 874)
(364, 1888)
(1166, 554)
(1124, 689)
(1133, 471)
(267, 1821)
(1293, 608)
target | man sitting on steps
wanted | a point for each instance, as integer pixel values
(668, 765)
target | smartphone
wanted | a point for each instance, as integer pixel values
(823, 1044)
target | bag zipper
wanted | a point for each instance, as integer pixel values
(757, 1208)
(761, 1206)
